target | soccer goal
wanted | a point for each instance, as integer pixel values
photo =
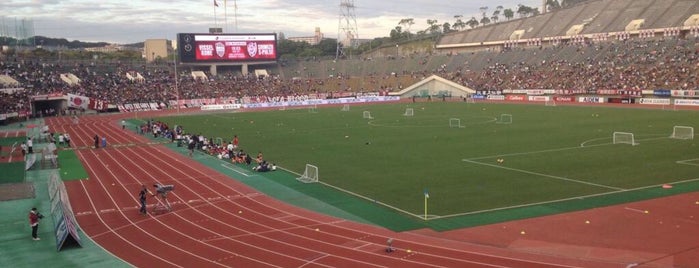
(624, 138)
(505, 119)
(313, 109)
(682, 133)
(409, 112)
(470, 100)
(551, 103)
(455, 123)
(310, 174)
(367, 115)
(345, 108)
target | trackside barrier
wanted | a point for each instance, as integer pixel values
(62, 214)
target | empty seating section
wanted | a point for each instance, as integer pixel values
(589, 14)
(682, 10)
(653, 13)
(627, 14)
(533, 26)
(562, 21)
(502, 31)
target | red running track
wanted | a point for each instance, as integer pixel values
(219, 222)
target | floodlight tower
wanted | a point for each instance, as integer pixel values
(346, 27)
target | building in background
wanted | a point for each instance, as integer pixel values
(154, 49)
(313, 40)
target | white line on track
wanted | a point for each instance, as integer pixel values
(636, 210)
(235, 170)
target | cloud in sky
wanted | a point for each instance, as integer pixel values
(136, 20)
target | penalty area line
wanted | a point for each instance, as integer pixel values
(545, 175)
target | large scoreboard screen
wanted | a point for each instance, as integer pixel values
(226, 48)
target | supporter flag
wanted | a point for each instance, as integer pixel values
(77, 101)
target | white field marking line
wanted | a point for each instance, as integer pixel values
(688, 162)
(467, 123)
(87, 193)
(358, 195)
(155, 218)
(271, 229)
(530, 152)
(562, 200)
(169, 154)
(321, 241)
(660, 137)
(582, 145)
(187, 220)
(545, 175)
(224, 211)
(363, 232)
(226, 166)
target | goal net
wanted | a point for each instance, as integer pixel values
(550, 103)
(409, 112)
(682, 133)
(367, 115)
(345, 108)
(624, 138)
(310, 174)
(505, 119)
(455, 123)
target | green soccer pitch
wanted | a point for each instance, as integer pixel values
(467, 156)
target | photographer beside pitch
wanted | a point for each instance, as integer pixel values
(34, 217)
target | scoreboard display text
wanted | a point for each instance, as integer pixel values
(226, 48)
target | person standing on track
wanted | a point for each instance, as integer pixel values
(142, 197)
(34, 217)
(67, 138)
(30, 145)
(190, 146)
(97, 141)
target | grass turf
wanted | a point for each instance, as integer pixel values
(549, 153)
(70, 166)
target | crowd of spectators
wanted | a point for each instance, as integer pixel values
(221, 149)
(631, 64)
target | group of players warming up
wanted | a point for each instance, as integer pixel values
(161, 191)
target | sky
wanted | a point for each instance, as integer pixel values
(131, 21)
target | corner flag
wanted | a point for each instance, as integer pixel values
(427, 195)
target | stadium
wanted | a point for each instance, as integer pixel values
(563, 139)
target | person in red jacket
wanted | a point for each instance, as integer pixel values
(34, 217)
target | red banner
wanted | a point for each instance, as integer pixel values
(515, 98)
(564, 99)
